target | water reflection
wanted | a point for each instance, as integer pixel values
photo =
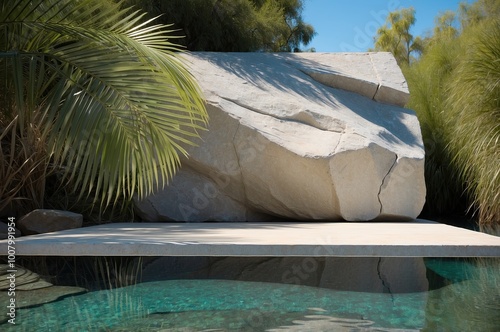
(472, 303)
(468, 301)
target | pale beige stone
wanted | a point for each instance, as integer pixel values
(192, 196)
(309, 136)
(418, 238)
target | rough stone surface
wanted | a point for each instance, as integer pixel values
(30, 289)
(285, 144)
(39, 296)
(195, 197)
(4, 231)
(24, 278)
(310, 136)
(421, 238)
(46, 221)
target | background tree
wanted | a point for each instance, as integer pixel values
(471, 14)
(297, 32)
(454, 88)
(445, 25)
(94, 98)
(395, 36)
(234, 25)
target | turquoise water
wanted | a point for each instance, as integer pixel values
(470, 301)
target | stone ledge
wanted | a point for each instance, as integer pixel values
(374, 75)
(420, 238)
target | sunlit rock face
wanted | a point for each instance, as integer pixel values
(308, 136)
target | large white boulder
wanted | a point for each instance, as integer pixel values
(310, 136)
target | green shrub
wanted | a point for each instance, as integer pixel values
(90, 92)
(474, 103)
(428, 80)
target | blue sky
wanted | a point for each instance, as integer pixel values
(350, 25)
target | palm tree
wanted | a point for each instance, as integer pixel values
(91, 92)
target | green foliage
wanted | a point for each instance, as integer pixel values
(472, 14)
(395, 36)
(445, 26)
(93, 95)
(23, 161)
(474, 103)
(455, 90)
(234, 25)
(428, 80)
(296, 32)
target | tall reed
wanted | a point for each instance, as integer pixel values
(428, 81)
(474, 103)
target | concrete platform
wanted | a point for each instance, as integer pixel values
(421, 238)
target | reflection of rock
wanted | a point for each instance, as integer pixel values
(46, 221)
(372, 274)
(166, 268)
(302, 136)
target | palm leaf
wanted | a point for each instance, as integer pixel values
(119, 103)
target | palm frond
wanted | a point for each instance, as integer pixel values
(119, 104)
